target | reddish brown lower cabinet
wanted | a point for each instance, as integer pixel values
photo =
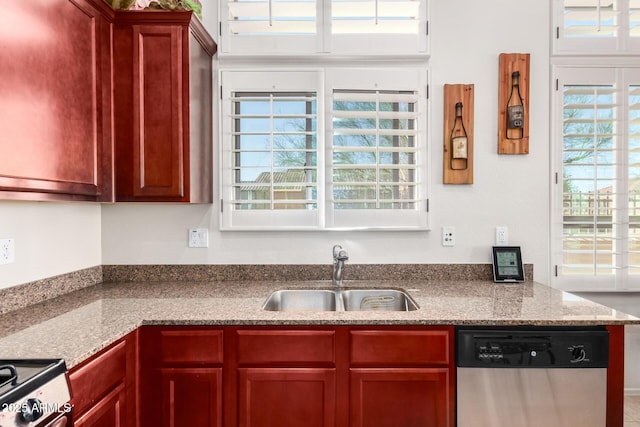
(181, 376)
(401, 377)
(190, 397)
(269, 376)
(107, 412)
(391, 397)
(104, 389)
(286, 397)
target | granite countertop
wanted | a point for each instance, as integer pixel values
(76, 325)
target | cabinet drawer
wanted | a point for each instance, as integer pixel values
(400, 347)
(186, 346)
(286, 347)
(92, 381)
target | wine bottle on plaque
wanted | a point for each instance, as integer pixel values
(515, 109)
(459, 142)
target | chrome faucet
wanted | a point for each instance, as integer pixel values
(339, 257)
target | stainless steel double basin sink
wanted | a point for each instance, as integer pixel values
(340, 299)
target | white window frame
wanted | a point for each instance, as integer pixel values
(323, 42)
(322, 81)
(621, 44)
(621, 78)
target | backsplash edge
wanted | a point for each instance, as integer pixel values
(26, 294)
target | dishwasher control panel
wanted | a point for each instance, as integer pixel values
(533, 348)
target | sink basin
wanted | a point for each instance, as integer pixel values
(301, 299)
(343, 299)
(377, 300)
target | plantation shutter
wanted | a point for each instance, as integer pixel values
(596, 26)
(394, 26)
(270, 26)
(270, 169)
(377, 148)
(597, 194)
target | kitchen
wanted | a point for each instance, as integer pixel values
(57, 238)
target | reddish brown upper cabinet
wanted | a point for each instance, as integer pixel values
(56, 139)
(163, 107)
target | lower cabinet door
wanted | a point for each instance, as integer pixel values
(286, 397)
(107, 412)
(191, 397)
(393, 397)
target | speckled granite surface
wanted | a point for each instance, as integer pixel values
(286, 272)
(79, 324)
(17, 297)
(41, 290)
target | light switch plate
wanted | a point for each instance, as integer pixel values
(198, 238)
(7, 251)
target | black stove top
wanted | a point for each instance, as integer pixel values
(19, 378)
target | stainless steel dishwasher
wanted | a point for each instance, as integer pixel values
(526, 377)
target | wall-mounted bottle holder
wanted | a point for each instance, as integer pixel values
(457, 150)
(513, 104)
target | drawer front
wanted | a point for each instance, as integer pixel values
(297, 346)
(187, 346)
(400, 348)
(90, 382)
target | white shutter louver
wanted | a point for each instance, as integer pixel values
(591, 180)
(374, 150)
(274, 152)
(375, 16)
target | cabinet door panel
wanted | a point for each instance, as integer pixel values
(282, 346)
(55, 101)
(108, 412)
(191, 397)
(393, 397)
(158, 144)
(190, 346)
(92, 381)
(286, 397)
(390, 348)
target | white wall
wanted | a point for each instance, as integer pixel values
(50, 239)
(466, 38)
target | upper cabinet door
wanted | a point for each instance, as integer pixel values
(163, 107)
(55, 100)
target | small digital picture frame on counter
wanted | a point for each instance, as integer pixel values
(507, 264)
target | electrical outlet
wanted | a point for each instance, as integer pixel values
(448, 236)
(7, 251)
(502, 236)
(198, 238)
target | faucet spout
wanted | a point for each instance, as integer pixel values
(339, 258)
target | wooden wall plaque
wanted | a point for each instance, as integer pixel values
(510, 62)
(454, 93)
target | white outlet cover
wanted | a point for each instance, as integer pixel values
(7, 251)
(198, 238)
(448, 235)
(502, 236)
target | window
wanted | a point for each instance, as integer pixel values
(597, 229)
(323, 26)
(596, 26)
(280, 172)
